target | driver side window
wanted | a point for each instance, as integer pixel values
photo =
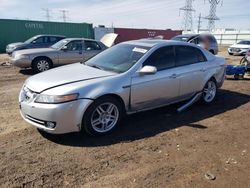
(162, 58)
(74, 46)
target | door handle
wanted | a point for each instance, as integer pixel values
(174, 76)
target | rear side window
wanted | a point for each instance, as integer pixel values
(53, 39)
(186, 55)
(92, 45)
(162, 58)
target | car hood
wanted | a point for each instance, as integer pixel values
(16, 44)
(35, 51)
(64, 75)
(240, 46)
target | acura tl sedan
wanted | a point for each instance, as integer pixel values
(127, 78)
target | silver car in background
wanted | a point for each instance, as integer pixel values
(127, 78)
(66, 51)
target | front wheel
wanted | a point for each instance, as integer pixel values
(41, 65)
(209, 92)
(102, 116)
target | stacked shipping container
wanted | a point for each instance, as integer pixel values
(21, 30)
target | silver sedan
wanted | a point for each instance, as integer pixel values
(127, 78)
(66, 51)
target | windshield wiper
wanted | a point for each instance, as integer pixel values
(95, 66)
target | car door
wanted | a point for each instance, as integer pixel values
(148, 91)
(91, 48)
(52, 40)
(39, 42)
(71, 53)
(190, 62)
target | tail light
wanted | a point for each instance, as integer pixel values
(248, 53)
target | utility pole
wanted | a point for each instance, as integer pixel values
(188, 15)
(212, 14)
(199, 24)
(47, 13)
(64, 15)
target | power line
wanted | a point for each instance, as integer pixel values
(212, 14)
(199, 24)
(188, 15)
(64, 15)
(47, 13)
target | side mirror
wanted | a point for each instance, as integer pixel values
(33, 42)
(146, 70)
(64, 48)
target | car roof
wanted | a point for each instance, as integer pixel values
(44, 35)
(151, 43)
(187, 35)
(71, 39)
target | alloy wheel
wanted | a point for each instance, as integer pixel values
(104, 117)
(209, 91)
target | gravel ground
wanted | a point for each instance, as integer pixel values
(158, 148)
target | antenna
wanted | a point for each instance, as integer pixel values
(188, 15)
(212, 14)
(64, 15)
(47, 15)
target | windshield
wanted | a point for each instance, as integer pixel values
(244, 42)
(59, 44)
(119, 58)
(183, 39)
(30, 40)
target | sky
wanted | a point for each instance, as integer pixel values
(160, 14)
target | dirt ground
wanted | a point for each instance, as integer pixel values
(158, 148)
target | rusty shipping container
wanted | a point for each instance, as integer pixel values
(126, 34)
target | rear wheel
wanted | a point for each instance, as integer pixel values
(41, 65)
(102, 116)
(230, 53)
(209, 91)
(212, 52)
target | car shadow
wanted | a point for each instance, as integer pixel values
(150, 123)
(27, 71)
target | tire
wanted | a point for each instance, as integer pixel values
(41, 64)
(209, 92)
(212, 52)
(230, 53)
(236, 77)
(102, 116)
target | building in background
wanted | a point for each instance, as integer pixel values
(226, 36)
(20, 30)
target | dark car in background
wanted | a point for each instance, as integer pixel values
(38, 41)
(201, 40)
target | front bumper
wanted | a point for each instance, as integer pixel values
(66, 116)
(238, 51)
(22, 63)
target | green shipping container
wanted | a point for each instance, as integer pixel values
(20, 30)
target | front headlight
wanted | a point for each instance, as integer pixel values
(55, 99)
